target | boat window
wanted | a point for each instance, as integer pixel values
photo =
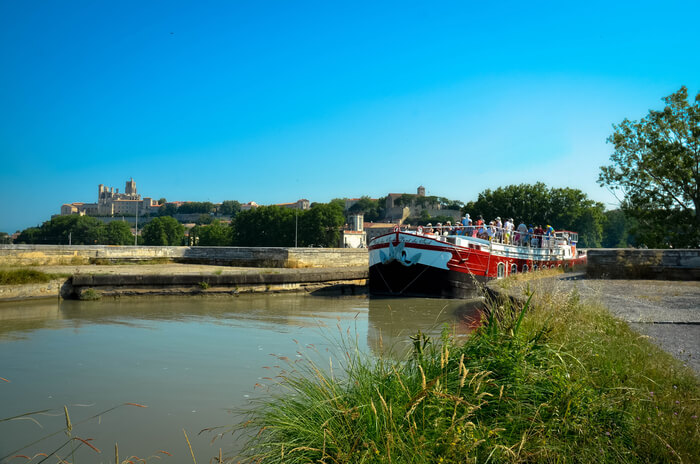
(501, 270)
(525, 268)
(534, 268)
(513, 268)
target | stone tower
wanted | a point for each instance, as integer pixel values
(130, 188)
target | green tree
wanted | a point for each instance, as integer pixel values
(192, 207)
(655, 168)
(405, 199)
(74, 229)
(563, 208)
(617, 230)
(163, 231)
(229, 208)
(162, 201)
(373, 210)
(167, 209)
(265, 226)
(29, 235)
(118, 233)
(215, 234)
(320, 226)
(273, 226)
(5, 238)
(204, 219)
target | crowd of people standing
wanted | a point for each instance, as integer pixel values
(495, 231)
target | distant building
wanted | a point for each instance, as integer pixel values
(375, 229)
(248, 206)
(354, 236)
(112, 203)
(400, 206)
(302, 204)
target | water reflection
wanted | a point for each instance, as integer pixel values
(392, 321)
(188, 359)
(18, 318)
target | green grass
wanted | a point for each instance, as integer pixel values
(551, 381)
(90, 294)
(26, 276)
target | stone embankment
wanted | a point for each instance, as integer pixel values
(630, 263)
(32, 255)
(114, 271)
(186, 279)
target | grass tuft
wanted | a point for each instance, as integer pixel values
(26, 276)
(90, 294)
(551, 380)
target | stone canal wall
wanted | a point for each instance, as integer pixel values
(186, 279)
(623, 263)
(31, 255)
(328, 280)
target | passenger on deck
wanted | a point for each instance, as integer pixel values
(479, 226)
(448, 229)
(522, 233)
(467, 225)
(499, 229)
(509, 226)
(492, 231)
(549, 235)
(539, 233)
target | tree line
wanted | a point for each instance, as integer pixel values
(263, 226)
(226, 208)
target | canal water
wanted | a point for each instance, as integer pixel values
(189, 360)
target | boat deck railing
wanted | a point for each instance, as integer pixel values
(492, 234)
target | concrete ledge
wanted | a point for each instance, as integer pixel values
(31, 255)
(622, 263)
(51, 289)
(285, 277)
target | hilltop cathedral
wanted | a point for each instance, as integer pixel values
(113, 203)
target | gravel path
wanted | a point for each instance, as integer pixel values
(666, 311)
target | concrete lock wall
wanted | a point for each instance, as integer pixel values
(26, 255)
(622, 263)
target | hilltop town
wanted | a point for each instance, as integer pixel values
(357, 220)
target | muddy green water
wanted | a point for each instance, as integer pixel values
(188, 359)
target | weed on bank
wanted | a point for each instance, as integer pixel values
(553, 380)
(26, 276)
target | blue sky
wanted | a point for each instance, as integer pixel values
(275, 101)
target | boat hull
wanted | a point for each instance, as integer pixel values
(410, 264)
(395, 279)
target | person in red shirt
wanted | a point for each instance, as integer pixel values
(478, 226)
(539, 232)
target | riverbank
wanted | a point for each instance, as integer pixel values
(184, 279)
(666, 311)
